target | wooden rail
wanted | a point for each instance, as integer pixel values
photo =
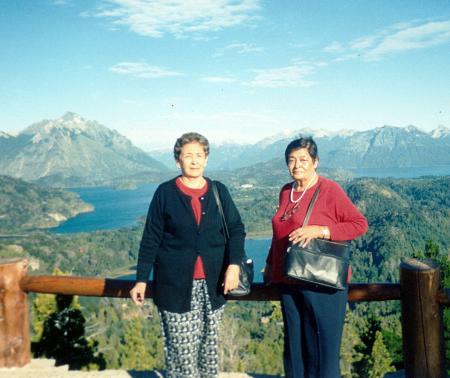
(105, 287)
(418, 291)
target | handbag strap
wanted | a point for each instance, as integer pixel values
(219, 205)
(310, 206)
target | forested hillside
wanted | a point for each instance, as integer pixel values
(271, 174)
(403, 214)
(25, 206)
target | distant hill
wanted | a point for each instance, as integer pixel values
(25, 206)
(71, 151)
(383, 147)
(403, 214)
(272, 173)
(223, 156)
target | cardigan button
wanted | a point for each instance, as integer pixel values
(202, 198)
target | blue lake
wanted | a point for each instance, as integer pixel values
(116, 209)
(122, 208)
(256, 249)
(113, 209)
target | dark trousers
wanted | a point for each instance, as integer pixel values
(313, 323)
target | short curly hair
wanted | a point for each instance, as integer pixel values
(187, 138)
(302, 142)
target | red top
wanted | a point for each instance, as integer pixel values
(195, 194)
(333, 208)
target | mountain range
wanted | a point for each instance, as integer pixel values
(72, 150)
(383, 147)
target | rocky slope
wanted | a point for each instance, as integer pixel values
(73, 150)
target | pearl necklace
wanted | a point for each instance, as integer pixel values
(307, 187)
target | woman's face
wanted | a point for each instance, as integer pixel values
(301, 165)
(192, 160)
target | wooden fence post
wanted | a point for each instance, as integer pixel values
(422, 326)
(14, 322)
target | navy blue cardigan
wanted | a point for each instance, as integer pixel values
(172, 240)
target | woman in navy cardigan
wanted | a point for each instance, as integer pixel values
(184, 242)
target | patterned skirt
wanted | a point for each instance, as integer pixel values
(191, 338)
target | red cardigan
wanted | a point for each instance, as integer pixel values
(333, 208)
(195, 194)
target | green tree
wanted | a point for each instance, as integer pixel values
(368, 330)
(351, 343)
(391, 329)
(42, 306)
(380, 360)
(134, 350)
(63, 338)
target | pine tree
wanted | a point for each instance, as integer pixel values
(134, 349)
(380, 360)
(351, 342)
(42, 306)
(63, 338)
(391, 329)
(231, 344)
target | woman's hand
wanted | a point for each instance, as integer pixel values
(267, 277)
(137, 293)
(303, 235)
(231, 278)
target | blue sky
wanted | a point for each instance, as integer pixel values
(234, 70)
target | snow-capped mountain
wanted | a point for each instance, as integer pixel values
(72, 147)
(381, 147)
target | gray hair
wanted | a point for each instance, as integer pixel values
(190, 138)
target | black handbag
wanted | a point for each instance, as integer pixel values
(322, 262)
(246, 274)
(246, 271)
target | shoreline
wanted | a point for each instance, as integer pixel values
(258, 235)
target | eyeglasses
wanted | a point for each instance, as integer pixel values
(289, 213)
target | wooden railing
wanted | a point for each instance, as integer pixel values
(422, 302)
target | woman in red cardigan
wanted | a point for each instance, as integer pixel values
(313, 317)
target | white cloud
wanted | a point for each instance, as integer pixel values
(219, 79)
(412, 38)
(334, 47)
(295, 75)
(395, 39)
(363, 43)
(62, 3)
(142, 70)
(152, 18)
(347, 56)
(239, 48)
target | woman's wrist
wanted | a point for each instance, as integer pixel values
(325, 232)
